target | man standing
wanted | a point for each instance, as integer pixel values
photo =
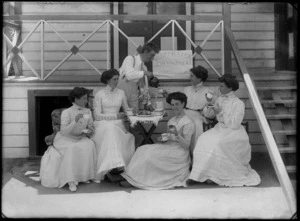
(132, 72)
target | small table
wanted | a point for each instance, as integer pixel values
(138, 120)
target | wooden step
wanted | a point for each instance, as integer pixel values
(291, 169)
(280, 116)
(284, 132)
(276, 88)
(287, 149)
(289, 101)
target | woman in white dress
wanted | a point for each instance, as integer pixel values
(114, 144)
(222, 154)
(77, 152)
(164, 165)
(196, 101)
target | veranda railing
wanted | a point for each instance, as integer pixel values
(15, 49)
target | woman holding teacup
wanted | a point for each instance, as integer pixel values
(164, 165)
(196, 100)
(72, 158)
(114, 144)
(222, 154)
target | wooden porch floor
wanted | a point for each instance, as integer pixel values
(23, 196)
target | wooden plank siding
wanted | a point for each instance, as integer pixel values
(253, 28)
(55, 49)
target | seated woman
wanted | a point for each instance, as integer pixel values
(164, 165)
(222, 154)
(196, 101)
(115, 146)
(77, 152)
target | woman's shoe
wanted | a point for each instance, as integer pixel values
(96, 181)
(117, 171)
(210, 181)
(190, 182)
(125, 183)
(72, 187)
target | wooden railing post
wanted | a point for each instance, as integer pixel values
(226, 13)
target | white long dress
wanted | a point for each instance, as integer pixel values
(77, 152)
(222, 154)
(162, 166)
(195, 101)
(114, 144)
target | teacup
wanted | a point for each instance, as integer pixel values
(129, 112)
(161, 90)
(209, 95)
(86, 116)
(164, 137)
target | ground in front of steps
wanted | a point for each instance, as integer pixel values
(23, 196)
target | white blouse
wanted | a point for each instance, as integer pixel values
(132, 69)
(196, 96)
(68, 125)
(107, 103)
(232, 110)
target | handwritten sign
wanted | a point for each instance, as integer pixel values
(173, 64)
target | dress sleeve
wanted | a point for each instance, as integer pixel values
(233, 118)
(128, 70)
(90, 121)
(124, 101)
(98, 113)
(67, 124)
(188, 131)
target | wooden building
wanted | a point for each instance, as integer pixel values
(58, 45)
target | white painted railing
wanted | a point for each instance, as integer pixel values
(15, 50)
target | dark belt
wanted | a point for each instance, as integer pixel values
(193, 109)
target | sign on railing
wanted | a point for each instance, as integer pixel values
(173, 64)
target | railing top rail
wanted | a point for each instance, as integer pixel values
(198, 18)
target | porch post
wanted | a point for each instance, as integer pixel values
(16, 10)
(226, 14)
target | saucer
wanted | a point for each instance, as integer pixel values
(86, 131)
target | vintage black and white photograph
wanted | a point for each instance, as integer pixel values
(149, 110)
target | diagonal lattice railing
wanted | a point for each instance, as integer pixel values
(75, 49)
(15, 50)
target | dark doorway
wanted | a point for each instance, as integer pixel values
(40, 105)
(142, 31)
(286, 36)
(45, 105)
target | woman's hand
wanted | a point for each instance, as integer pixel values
(90, 133)
(216, 109)
(172, 130)
(78, 116)
(165, 93)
